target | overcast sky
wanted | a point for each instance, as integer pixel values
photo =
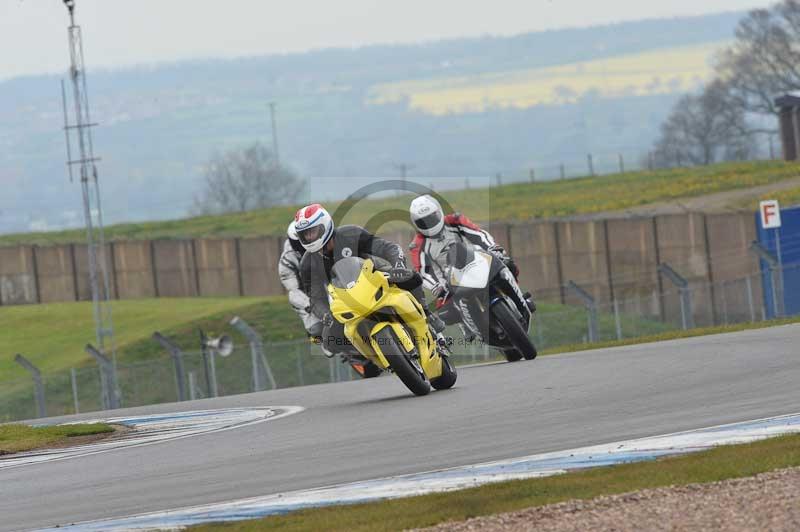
(119, 33)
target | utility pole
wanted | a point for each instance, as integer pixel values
(274, 134)
(81, 130)
(403, 168)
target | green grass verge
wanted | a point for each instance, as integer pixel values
(53, 335)
(513, 202)
(787, 198)
(717, 464)
(17, 438)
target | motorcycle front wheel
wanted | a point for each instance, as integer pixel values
(402, 363)
(513, 328)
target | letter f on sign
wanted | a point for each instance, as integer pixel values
(770, 214)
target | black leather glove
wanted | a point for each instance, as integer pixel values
(327, 319)
(317, 309)
(400, 275)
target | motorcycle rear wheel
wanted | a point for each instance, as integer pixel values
(401, 363)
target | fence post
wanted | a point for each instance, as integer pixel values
(621, 164)
(256, 353)
(617, 322)
(749, 283)
(300, 368)
(108, 378)
(192, 386)
(533, 175)
(772, 262)
(724, 302)
(591, 308)
(563, 171)
(687, 320)
(177, 359)
(38, 386)
(210, 366)
(591, 164)
(74, 380)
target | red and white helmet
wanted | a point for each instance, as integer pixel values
(427, 215)
(314, 227)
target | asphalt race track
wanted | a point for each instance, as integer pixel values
(366, 429)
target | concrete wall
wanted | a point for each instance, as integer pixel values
(584, 260)
(615, 258)
(217, 263)
(729, 239)
(174, 264)
(56, 274)
(634, 260)
(535, 249)
(259, 265)
(17, 276)
(682, 245)
(133, 266)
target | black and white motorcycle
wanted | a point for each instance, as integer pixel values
(487, 300)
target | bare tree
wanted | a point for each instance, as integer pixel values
(245, 179)
(764, 60)
(703, 129)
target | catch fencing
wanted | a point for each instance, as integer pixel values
(256, 366)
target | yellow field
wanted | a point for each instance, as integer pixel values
(653, 72)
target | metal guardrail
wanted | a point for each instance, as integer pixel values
(182, 374)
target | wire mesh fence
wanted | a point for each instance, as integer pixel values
(299, 363)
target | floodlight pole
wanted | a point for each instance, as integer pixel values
(81, 129)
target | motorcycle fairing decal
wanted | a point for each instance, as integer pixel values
(474, 274)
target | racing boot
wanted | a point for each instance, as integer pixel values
(436, 326)
(529, 301)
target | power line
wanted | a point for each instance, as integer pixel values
(274, 134)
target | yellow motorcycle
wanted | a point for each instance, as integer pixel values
(387, 325)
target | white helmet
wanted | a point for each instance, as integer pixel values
(427, 215)
(291, 232)
(314, 227)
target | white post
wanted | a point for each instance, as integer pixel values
(192, 386)
(74, 380)
(749, 283)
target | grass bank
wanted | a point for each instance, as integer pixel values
(513, 202)
(721, 463)
(17, 438)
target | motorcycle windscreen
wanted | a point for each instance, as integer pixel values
(345, 272)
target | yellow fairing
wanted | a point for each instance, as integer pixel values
(372, 293)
